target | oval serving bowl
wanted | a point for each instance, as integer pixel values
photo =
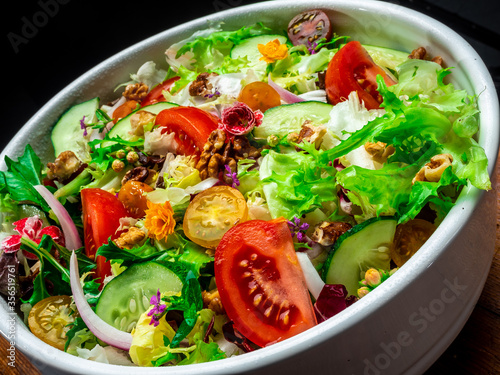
(405, 324)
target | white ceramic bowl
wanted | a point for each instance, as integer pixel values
(405, 324)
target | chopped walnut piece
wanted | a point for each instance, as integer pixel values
(138, 174)
(312, 134)
(131, 237)
(220, 151)
(136, 91)
(420, 53)
(64, 166)
(433, 170)
(200, 86)
(211, 300)
(379, 151)
(327, 232)
(140, 119)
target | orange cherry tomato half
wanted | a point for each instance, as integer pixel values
(410, 237)
(353, 69)
(101, 218)
(259, 96)
(260, 282)
(124, 110)
(49, 318)
(156, 93)
(132, 195)
(192, 127)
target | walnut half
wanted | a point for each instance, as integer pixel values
(327, 232)
(379, 151)
(433, 170)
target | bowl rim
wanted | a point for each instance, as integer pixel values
(455, 220)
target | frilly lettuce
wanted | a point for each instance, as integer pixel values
(295, 183)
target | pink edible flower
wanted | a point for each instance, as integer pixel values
(239, 119)
(32, 228)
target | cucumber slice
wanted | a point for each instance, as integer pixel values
(67, 134)
(249, 48)
(365, 245)
(287, 118)
(128, 295)
(123, 127)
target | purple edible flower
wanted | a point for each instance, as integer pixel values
(158, 309)
(311, 47)
(298, 228)
(233, 176)
(83, 126)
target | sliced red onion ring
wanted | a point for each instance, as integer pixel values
(102, 330)
(286, 95)
(71, 237)
(313, 281)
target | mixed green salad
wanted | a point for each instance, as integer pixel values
(260, 184)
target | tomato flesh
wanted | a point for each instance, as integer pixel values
(212, 213)
(101, 218)
(410, 237)
(156, 93)
(192, 127)
(124, 110)
(49, 318)
(352, 69)
(260, 282)
(132, 195)
(259, 96)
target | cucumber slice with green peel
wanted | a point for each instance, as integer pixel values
(249, 47)
(122, 127)
(128, 295)
(287, 118)
(364, 246)
(67, 134)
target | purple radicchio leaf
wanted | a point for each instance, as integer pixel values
(332, 300)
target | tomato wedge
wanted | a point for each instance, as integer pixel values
(101, 218)
(192, 127)
(260, 282)
(156, 93)
(353, 69)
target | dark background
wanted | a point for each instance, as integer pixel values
(75, 35)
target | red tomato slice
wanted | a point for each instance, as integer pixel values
(101, 218)
(192, 127)
(352, 69)
(156, 93)
(260, 282)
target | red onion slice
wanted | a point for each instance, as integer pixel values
(286, 95)
(102, 330)
(71, 236)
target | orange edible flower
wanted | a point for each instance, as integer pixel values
(273, 51)
(159, 220)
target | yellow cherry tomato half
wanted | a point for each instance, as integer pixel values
(410, 237)
(48, 320)
(212, 213)
(259, 95)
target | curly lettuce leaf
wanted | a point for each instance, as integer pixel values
(296, 183)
